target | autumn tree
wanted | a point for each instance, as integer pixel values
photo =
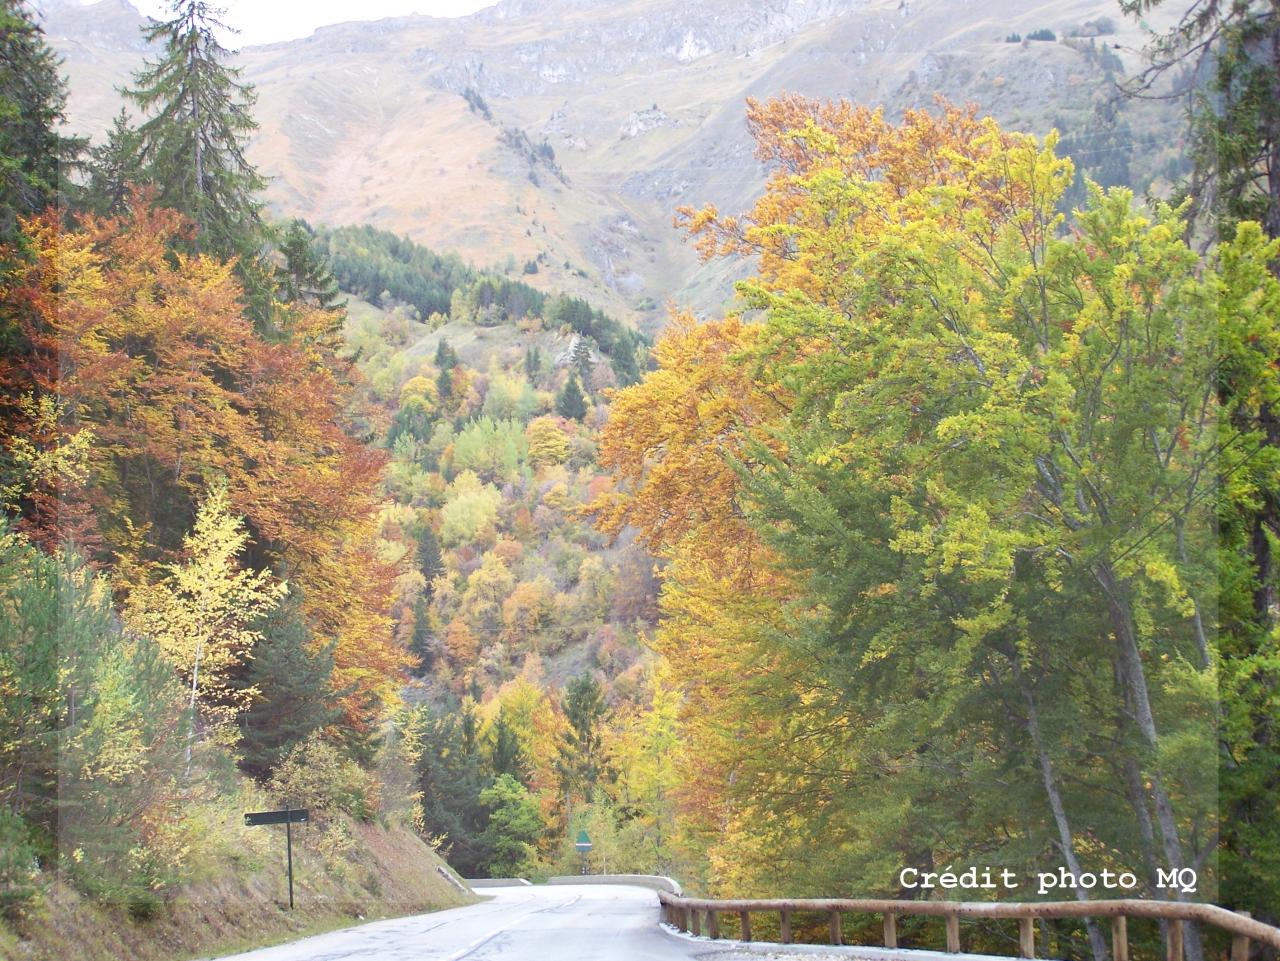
(148, 349)
(203, 613)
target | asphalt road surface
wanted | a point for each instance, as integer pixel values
(553, 923)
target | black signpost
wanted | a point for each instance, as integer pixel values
(287, 817)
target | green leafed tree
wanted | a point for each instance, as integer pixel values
(513, 827)
(114, 167)
(304, 276)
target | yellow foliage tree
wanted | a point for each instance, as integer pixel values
(202, 614)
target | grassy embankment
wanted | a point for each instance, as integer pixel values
(384, 872)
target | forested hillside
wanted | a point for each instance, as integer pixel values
(948, 543)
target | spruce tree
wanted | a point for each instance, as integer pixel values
(114, 166)
(572, 403)
(33, 156)
(295, 696)
(505, 755)
(304, 277)
(198, 123)
(446, 356)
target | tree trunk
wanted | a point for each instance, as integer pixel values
(1097, 943)
(1133, 677)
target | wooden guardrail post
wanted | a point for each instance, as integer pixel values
(953, 934)
(1175, 941)
(1026, 937)
(1240, 943)
(1120, 938)
(1243, 931)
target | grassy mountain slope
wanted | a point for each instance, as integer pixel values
(436, 128)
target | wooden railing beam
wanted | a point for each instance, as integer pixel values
(745, 918)
(1243, 929)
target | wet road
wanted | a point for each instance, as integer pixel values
(559, 923)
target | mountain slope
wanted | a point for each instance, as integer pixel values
(566, 131)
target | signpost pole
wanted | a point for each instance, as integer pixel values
(287, 817)
(288, 840)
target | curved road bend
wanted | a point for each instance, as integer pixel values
(556, 923)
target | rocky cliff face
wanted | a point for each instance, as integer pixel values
(566, 131)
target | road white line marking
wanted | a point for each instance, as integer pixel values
(481, 942)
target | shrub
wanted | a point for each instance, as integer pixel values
(19, 866)
(316, 775)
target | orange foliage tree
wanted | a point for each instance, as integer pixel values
(148, 349)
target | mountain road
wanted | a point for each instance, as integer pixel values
(559, 923)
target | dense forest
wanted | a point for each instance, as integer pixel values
(949, 544)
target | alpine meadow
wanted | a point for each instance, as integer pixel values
(819, 459)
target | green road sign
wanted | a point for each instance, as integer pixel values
(583, 843)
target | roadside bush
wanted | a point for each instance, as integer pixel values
(316, 775)
(19, 866)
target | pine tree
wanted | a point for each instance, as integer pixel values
(572, 403)
(582, 762)
(198, 125)
(444, 385)
(581, 358)
(505, 754)
(305, 276)
(533, 363)
(34, 156)
(446, 356)
(114, 166)
(295, 697)
(420, 641)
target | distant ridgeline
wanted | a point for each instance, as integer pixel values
(368, 263)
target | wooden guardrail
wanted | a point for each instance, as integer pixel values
(688, 914)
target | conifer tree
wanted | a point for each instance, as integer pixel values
(304, 277)
(572, 403)
(197, 125)
(33, 154)
(446, 356)
(293, 681)
(114, 166)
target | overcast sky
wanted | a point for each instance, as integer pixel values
(265, 21)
